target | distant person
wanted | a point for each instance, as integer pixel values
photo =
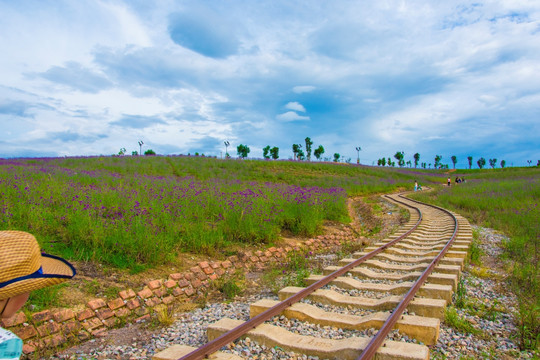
(457, 180)
(415, 185)
(448, 181)
(23, 268)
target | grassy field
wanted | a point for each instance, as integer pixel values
(507, 200)
(136, 212)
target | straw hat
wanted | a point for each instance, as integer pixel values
(23, 268)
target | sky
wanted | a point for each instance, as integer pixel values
(82, 78)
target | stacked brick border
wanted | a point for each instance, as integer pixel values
(48, 328)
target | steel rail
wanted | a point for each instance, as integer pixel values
(214, 345)
(378, 339)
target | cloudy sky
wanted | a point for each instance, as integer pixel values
(434, 77)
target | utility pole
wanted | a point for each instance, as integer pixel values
(140, 147)
(358, 148)
(226, 146)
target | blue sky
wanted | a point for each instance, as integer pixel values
(449, 78)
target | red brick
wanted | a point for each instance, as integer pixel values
(226, 264)
(133, 304)
(254, 259)
(160, 292)
(268, 253)
(189, 276)
(178, 292)
(203, 264)
(259, 266)
(85, 314)
(213, 277)
(54, 340)
(258, 253)
(183, 283)
(208, 270)
(116, 303)
(15, 320)
(143, 318)
(71, 327)
(176, 276)
(273, 249)
(110, 322)
(233, 258)
(145, 293)
(196, 283)
(220, 272)
(202, 276)
(122, 312)
(28, 349)
(96, 304)
(215, 265)
(189, 291)
(48, 328)
(25, 332)
(141, 311)
(41, 316)
(263, 259)
(99, 332)
(92, 324)
(170, 284)
(168, 299)
(127, 294)
(63, 315)
(154, 284)
(83, 335)
(104, 314)
(195, 269)
(153, 301)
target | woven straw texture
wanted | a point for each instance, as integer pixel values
(20, 256)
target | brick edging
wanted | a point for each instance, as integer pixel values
(50, 329)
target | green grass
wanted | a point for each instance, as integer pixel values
(507, 200)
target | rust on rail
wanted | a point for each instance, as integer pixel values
(378, 339)
(214, 345)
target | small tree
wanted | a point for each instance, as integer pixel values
(301, 155)
(336, 157)
(416, 159)
(308, 148)
(438, 159)
(122, 151)
(295, 149)
(409, 163)
(134, 153)
(399, 157)
(149, 152)
(274, 152)
(243, 151)
(389, 162)
(481, 162)
(493, 163)
(383, 161)
(503, 163)
(318, 152)
(266, 151)
(529, 161)
(454, 160)
(470, 161)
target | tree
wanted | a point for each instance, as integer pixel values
(301, 155)
(336, 157)
(134, 153)
(493, 163)
(243, 151)
(454, 160)
(149, 152)
(295, 150)
(438, 159)
(529, 161)
(399, 157)
(274, 152)
(122, 151)
(409, 163)
(389, 162)
(470, 161)
(503, 163)
(318, 152)
(383, 161)
(416, 159)
(481, 162)
(308, 148)
(266, 151)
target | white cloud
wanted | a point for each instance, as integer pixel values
(291, 116)
(296, 106)
(303, 89)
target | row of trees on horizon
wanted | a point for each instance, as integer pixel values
(270, 152)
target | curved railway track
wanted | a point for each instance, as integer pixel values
(404, 282)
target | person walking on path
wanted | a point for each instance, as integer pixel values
(415, 185)
(23, 269)
(449, 181)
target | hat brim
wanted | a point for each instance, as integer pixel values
(54, 270)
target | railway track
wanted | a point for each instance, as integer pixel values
(402, 283)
